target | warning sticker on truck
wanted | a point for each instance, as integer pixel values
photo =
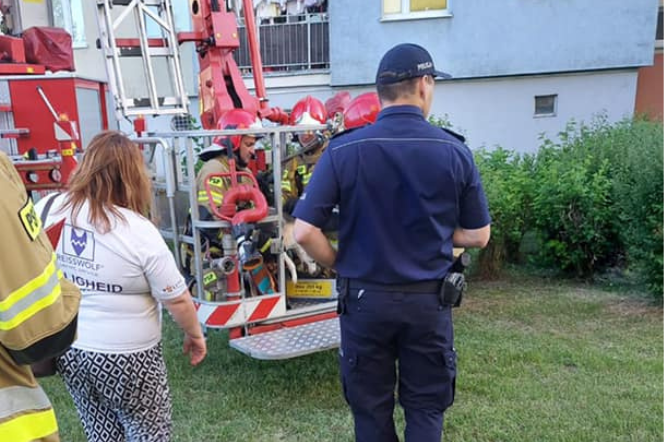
(312, 288)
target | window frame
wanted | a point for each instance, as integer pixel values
(68, 19)
(659, 42)
(407, 14)
(548, 114)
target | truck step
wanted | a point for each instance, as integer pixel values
(291, 342)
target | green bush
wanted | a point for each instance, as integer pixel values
(598, 198)
(506, 177)
(572, 211)
(636, 149)
(593, 199)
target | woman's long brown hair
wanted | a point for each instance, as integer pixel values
(112, 174)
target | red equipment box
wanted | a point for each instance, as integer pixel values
(50, 47)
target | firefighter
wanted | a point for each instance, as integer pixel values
(336, 105)
(216, 161)
(38, 309)
(216, 157)
(297, 171)
(362, 110)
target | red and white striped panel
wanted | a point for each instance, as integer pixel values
(237, 313)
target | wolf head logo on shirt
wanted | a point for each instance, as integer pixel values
(79, 243)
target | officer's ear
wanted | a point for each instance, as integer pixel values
(422, 85)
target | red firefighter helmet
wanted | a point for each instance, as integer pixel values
(233, 119)
(337, 104)
(362, 110)
(308, 110)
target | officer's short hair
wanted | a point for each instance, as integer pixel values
(394, 91)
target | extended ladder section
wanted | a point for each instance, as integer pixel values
(138, 39)
(8, 132)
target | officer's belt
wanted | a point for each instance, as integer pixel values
(428, 286)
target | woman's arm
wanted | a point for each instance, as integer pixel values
(183, 312)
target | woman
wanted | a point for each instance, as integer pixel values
(115, 369)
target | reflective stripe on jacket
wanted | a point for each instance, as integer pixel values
(36, 303)
(26, 415)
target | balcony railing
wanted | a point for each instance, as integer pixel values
(291, 44)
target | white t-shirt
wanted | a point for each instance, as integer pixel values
(122, 275)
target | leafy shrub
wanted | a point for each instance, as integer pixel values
(636, 151)
(598, 199)
(506, 177)
(594, 199)
(572, 211)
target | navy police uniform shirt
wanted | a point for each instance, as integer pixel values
(402, 186)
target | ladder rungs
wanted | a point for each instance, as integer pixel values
(145, 102)
(144, 111)
(137, 52)
(145, 2)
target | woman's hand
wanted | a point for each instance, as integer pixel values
(195, 347)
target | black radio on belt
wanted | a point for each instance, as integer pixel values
(452, 289)
(454, 284)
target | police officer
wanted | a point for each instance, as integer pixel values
(408, 192)
(38, 310)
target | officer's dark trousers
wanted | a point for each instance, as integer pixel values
(377, 330)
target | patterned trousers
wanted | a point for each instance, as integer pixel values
(119, 397)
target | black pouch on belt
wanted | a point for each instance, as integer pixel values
(451, 291)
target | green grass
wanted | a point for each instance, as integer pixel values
(538, 361)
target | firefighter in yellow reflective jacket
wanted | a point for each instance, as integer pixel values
(38, 310)
(216, 158)
(297, 172)
(211, 189)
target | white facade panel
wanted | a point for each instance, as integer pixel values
(492, 112)
(502, 111)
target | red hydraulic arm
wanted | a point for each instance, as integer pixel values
(221, 87)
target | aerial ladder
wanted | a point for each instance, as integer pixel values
(138, 37)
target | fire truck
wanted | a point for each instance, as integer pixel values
(40, 112)
(293, 317)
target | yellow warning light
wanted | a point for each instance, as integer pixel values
(64, 117)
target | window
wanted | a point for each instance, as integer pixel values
(659, 34)
(68, 14)
(413, 9)
(545, 105)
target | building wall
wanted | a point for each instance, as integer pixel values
(89, 60)
(32, 13)
(497, 38)
(498, 111)
(650, 91)
(501, 111)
